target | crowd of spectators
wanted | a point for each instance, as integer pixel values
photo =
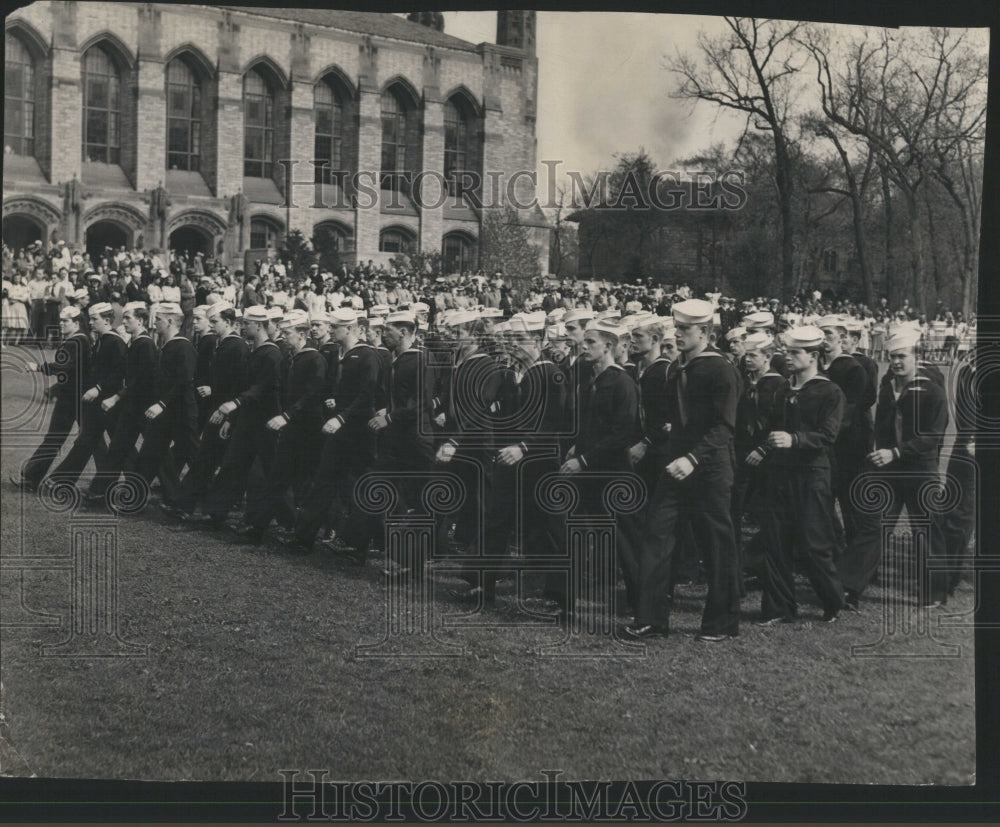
(38, 283)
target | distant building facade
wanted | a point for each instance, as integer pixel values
(150, 125)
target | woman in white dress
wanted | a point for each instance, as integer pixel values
(15, 310)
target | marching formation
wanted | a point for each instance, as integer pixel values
(279, 413)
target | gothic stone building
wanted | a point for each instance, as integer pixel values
(221, 128)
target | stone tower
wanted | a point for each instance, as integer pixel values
(517, 29)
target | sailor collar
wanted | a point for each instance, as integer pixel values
(818, 376)
(660, 358)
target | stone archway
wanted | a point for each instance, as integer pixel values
(21, 230)
(196, 231)
(103, 234)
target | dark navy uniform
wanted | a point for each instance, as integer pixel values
(753, 414)
(407, 442)
(912, 425)
(798, 505)
(139, 391)
(171, 440)
(203, 374)
(107, 372)
(533, 418)
(255, 406)
(854, 440)
(959, 523)
(71, 368)
(293, 446)
(228, 379)
(703, 393)
(347, 454)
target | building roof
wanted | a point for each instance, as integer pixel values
(363, 22)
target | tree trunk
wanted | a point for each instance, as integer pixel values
(917, 287)
(784, 181)
(890, 264)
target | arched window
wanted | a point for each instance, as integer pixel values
(19, 98)
(263, 234)
(395, 240)
(459, 253)
(329, 144)
(101, 108)
(332, 236)
(456, 141)
(258, 126)
(183, 117)
(394, 117)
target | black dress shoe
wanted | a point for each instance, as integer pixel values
(714, 638)
(173, 511)
(831, 617)
(643, 632)
(775, 621)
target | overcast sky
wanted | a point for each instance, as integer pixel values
(602, 87)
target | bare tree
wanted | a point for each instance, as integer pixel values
(905, 94)
(750, 69)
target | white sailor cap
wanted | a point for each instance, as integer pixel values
(736, 333)
(402, 317)
(376, 321)
(902, 337)
(831, 321)
(853, 325)
(276, 313)
(342, 315)
(80, 293)
(556, 331)
(169, 309)
(556, 315)
(692, 311)
(135, 306)
(804, 337)
(295, 318)
(320, 317)
(758, 340)
(633, 306)
(578, 314)
(215, 309)
(644, 319)
(491, 313)
(100, 308)
(69, 313)
(528, 322)
(607, 326)
(458, 317)
(378, 310)
(609, 314)
(756, 321)
(201, 310)
(420, 307)
(501, 327)
(257, 313)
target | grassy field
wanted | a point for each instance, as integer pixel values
(252, 668)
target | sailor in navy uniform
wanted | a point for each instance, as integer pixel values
(228, 378)
(347, 443)
(753, 413)
(609, 413)
(473, 396)
(170, 438)
(762, 321)
(854, 440)
(910, 422)
(403, 427)
(107, 372)
(703, 389)
(798, 504)
(138, 392)
(205, 341)
(243, 419)
(527, 441)
(70, 366)
(291, 433)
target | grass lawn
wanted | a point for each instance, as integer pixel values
(252, 668)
